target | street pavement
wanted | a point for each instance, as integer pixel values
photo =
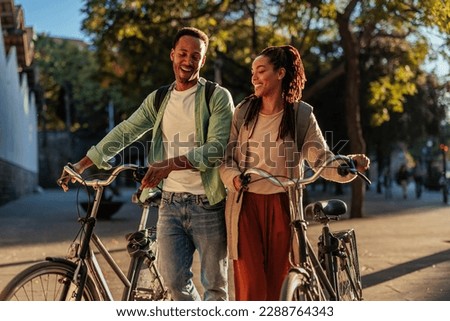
(404, 245)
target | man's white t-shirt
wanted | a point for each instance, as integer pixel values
(178, 129)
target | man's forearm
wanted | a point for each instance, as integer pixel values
(179, 163)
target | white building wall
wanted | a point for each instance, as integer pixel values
(18, 115)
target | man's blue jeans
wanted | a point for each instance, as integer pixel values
(187, 223)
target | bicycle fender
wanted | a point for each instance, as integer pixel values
(61, 260)
(299, 270)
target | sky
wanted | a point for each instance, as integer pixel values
(62, 18)
(58, 18)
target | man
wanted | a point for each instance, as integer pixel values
(188, 140)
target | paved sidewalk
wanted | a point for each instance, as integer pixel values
(404, 245)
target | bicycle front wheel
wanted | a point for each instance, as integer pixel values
(297, 287)
(47, 281)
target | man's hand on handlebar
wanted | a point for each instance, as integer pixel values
(63, 180)
(78, 167)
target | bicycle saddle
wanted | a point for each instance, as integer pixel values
(333, 207)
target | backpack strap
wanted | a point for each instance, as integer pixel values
(159, 96)
(209, 91)
(302, 111)
(242, 110)
(162, 92)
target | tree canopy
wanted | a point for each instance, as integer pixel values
(364, 60)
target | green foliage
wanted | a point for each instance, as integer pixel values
(388, 93)
(67, 71)
(132, 42)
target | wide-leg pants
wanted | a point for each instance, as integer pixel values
(263, 247)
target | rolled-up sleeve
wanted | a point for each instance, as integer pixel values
(125, 133)
(315, 150)
(215, 133)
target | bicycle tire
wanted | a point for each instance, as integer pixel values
(46, 281)
(348, 274)
(296, 287)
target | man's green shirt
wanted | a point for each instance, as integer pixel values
(212, 132)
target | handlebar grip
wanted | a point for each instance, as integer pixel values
(245, 179)
(349, 167)
(139, 174)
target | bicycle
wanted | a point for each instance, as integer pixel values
(79, 276)
(333, 273)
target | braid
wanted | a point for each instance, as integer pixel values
(292, 86)
(295, 82)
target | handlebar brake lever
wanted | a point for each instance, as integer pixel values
(350, 167)
(65, 178)
(364, 177)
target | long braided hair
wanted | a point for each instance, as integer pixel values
(289, 58)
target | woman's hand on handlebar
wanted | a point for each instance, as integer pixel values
(355, 164)
(362, 162)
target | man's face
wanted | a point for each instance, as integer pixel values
(188, 57)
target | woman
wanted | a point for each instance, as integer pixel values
(262, 136)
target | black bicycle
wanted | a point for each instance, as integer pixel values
(333, 272)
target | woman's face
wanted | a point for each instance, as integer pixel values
(265, 79)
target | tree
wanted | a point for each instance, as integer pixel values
(367, 53)
(72, 93)
(359, 24)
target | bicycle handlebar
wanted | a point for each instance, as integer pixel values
(348, 167)
(95, 182)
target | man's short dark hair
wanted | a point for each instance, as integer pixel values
(191, 31)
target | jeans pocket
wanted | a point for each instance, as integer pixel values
(204, 203)
(165, 201)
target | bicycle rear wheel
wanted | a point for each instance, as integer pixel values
(47, 281)
(297, 287)
(348, 274)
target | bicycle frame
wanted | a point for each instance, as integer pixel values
(79, 276)
(308, 263)
(307, 257)
(88, 264)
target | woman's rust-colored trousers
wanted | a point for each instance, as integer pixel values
(263, 257)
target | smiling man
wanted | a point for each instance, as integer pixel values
(189, 138)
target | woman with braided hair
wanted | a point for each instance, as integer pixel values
(263, 135)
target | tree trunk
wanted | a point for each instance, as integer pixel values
(352, 107)
(323, 82)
